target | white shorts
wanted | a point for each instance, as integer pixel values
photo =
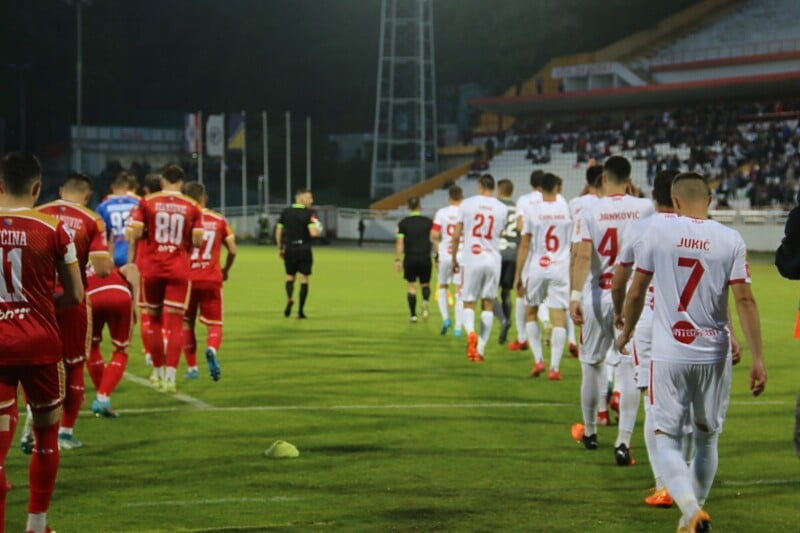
(554, 291)
(675, 387)
(480, 281)
(597, 333)
(444, 270)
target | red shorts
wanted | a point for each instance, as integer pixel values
(43, 385)
(207, 296)
(112, 305)
(155, 292)
(73, 323)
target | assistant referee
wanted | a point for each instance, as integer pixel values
(296, 227)
(413, 245)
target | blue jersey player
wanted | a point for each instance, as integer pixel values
(114, 209)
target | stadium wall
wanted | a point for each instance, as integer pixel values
(727, 71)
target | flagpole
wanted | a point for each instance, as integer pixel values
(308, 153)
(266, 159)
(222, 167)
(288, 158)
(244, 171)
(199, 143)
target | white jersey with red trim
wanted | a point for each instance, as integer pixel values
(576, 206)
(445, 222)
(603, 224)
(484, 220)
(549, 225)
(693, 262)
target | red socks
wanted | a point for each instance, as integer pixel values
(113, 373)
(190, 347)
(173, 322)
(144, 328)
(43, 468)
(74, 395)
(214, 339)
(154, 340)
(95, 366)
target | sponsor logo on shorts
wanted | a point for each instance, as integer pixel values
(11, 314)
(544, 261)
(685, 333)
(476, 249)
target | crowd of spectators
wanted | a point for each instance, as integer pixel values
(748, 149)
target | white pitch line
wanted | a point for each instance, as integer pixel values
(191, 400)
(757, 482)
(187, 503)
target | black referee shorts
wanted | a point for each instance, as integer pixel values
(507, 271)
(298, 259)
(417, 267)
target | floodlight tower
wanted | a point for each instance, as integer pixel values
(404, 138)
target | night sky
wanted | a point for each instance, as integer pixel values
(147, 61)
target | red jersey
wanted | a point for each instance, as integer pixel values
(31, 244)
(168, 219)
(86, 227)
(205, 260)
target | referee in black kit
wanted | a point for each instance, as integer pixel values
(296, 227)
(414, 246)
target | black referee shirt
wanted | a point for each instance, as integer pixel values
(295, 221)
(416, 232)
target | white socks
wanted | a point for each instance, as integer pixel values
(650, 444)
(519, 318)
(171, 371)
(629, 397)
(442, 301)
(460, 312)
(676, 475)
(592, 379)
(704, 465)
(36, 522)
(469, 320)
(487, 319)
(557, 340)
(534, 340)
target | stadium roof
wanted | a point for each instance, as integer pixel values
(668, 94)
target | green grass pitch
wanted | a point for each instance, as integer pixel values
(396, 430)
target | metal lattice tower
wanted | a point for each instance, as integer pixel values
(404, 142)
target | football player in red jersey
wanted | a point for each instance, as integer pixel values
(111, 302)
(207, 277)
(91, 245)
(170, 224)
(33, 248)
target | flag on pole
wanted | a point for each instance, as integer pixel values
(192, 130)
(215, 135)
(236, 131)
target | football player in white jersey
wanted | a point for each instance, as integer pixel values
(635, 236)
(481, 219)
(544, 248)
(601, 227)
(692, 264)
(444, 225)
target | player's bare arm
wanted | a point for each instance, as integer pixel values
(634, 304)
(583, 261)
(398, 252)
(279, 239)
(619, 285)
(70, 276)
(751, 326)
(230, 246)
(102, 263)
(456, 242)
(522, 255)
(197, 237)
(315, 228)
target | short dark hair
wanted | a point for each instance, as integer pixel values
(536, 178)
(618, 169)
(79, 182)
(550, 182)
(173, 174)
(19, 171)
(301, 190)
(455, 193)
(194, 190)
(679, 184)
(121, 180)
(486, 182)
(413, 203)
(133, 182)
(505, 187)
(593, 174)
(152, 182)
(662, 187)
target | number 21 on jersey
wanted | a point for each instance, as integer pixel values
(480, 219)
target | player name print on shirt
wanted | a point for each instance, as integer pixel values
(13, 238)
